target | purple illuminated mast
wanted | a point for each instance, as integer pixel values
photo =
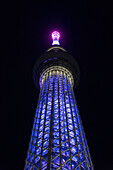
(55, 37)
(58, 140)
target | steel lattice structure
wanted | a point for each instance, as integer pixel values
(58, 140)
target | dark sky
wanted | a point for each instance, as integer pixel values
(86, 32)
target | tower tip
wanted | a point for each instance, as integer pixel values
(55, 36)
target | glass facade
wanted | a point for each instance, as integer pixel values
(58, 139)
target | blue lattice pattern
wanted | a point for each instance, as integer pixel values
(58, 140)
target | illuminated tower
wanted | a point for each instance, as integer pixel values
(58, 139)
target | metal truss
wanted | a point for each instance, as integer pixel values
(57, 141)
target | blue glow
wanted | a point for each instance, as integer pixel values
(69, 149)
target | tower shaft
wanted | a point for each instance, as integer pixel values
(58, 140)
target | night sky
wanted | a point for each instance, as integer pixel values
(86, 33)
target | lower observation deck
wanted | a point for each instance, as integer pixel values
(56, 56)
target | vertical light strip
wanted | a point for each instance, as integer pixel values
(58, 74)
(51, 88)
(55, 154)
(40, 128)
(69, 163)
(73, 114)
(44, 143)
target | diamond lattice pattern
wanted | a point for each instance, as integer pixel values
(57, 141)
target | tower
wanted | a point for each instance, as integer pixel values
(58, 140)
